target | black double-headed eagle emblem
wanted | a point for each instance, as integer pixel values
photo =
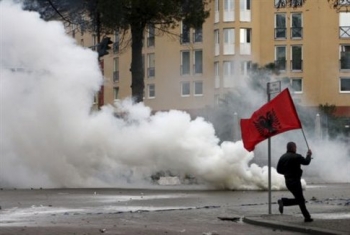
(267, 125)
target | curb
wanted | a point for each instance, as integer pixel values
(294, 228)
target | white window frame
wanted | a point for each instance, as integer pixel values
(291, 58)
(217, 74)
(285, 55)
(182, 62)
(195, 85)
(216, 42)
(115, 93)
(277, 27)
(229, 41)
(228, 73)
(217, 11)
(341, 50)
(182, 89)
(195, 54)
(245, 10)
(151, 91)
(229, 10)
(245, 35)
(340, 83)
(344, 25)
(151, 65)
(291, 25)
(297, 79)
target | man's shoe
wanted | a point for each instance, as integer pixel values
(280, 206)
(308, 220)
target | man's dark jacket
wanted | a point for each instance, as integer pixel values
(289, 165)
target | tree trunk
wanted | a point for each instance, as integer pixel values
(137, 70)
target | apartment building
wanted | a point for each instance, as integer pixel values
(191, 69)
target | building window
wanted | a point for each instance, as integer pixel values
(245, 15)
(297, 85)
(280, 26)
(296, 26)
(229, 41)
(245, 41)
(198, 35)
(345, 85)
(116, 69)
(229, 72)
(280, 57)
(245, 66)
(345, 57)
(185, 34)
(116, 42)
(344, 24)
(217, 11)
(151, 91)
(150, 37)
(115, 92)
(217, 74)
(229, 10)
(151, 65)
(198, 61)
(198, 88)
(296, 58)
(217, 42)
(185, 89)
(185, 62)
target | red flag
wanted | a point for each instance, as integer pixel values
(277, 116)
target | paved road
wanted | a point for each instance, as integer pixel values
(160, 210)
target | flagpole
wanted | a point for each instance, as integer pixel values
(302, 130)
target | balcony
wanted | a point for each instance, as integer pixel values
(296, 32)
(344, 32)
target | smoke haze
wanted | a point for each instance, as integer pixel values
(50, 137)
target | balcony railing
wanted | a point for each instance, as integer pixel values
(151, 71)
(116, 76)
(280, 33)
(344, 32)
(296, 65)
(296, 32)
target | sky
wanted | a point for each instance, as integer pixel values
(50, 137)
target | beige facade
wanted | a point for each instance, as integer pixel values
(311, 44)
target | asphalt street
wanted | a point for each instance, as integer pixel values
(168, 210)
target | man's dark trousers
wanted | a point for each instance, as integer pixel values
(294, 186)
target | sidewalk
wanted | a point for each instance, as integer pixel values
(330, 224)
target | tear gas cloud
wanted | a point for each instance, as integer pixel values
(50, 137)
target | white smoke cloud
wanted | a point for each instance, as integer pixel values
(50, 138)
